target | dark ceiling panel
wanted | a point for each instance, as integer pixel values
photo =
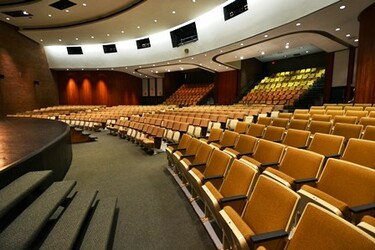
(62, 4)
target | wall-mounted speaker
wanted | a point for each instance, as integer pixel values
(109, 48)
(77, 50)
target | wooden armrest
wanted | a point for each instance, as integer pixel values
(213, 141)
(305, 180)
(197, 164)
(303, 147)
(259, 238)
(178, 149)
(279, 141)
(333, 156)
(185, 156)
(232, 198)
(245, 153)
(362, 208)
(268, 164)
(207, 178)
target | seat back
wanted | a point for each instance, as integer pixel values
(280, 122)
(285, 115)
(348, 182)
(215, 134)
(327, 144)
(245, 144)
(203, 153)
(264, 120)
(241, 127)
(229, 138)
(267, 151)
(345, 119)
(217, 165)
(298, 124)
(361, 152)
(301, 164)
(192, 146)
(320, 127)
(321, 117)
(274, 133)
(296, 138)
(300, 116)
(320, 229)
(348, 130)
(271, 206)
(357, 113)
(256, 130)
(365, 121)
(369, 133)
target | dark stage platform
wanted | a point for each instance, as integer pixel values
(28, 144)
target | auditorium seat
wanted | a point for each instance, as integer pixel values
(301, 116)
(264, 120)
(344, 188)
(347, 130)
(320, 127)
(241, 127)
(327, 145)
(199, 161)
(298, 124)
(273, 133)
(215, 135)
(365, 121)
(361, 152)
(234, 191)
(266, 154)
(186, 153)
(244, 146)
(256, 130)
(280, 122)
(369, 133)
(270, 210)
(296, 168)
(320, 229)
(367, 224)
(228, 139)
(296, 138)
(321, 117)
(173, 147)
(344, 119)
(214, 171)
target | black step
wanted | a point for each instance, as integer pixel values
(98, 233)
(16, 191)
(67, 228)
(26, 227)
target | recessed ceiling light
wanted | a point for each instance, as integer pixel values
(41, 40)
(173, 12)
(7, 18)
(179, 60)
(138, 27)
(67, 69)
(347, 35)
(262, 52)
(337, 29)
(169, 70)
(287, 46)
(49, 15)
(221, 51)
(192, 58)
(241, 44)
(66, 11)
(122, 32)
(92, 37)
(241, 57)
(97, 69)
(307, 51)
(82, 69)
(298, 24)
(193, 1)
(205, 54)
(108, 34)
(155, 21)
(266, 36)
(342, 7)
(84, 4)
(60, 40)
(76, 38)
(156, 71)
(356, 40)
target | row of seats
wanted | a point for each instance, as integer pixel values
(36, 213)
(189, 94)
(283, 88)
(245, 205)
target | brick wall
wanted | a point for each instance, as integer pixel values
(26, 83)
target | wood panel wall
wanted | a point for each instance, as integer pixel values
(226, 87)
(26, 82)
(365, 77)
(109, 88)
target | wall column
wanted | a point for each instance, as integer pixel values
(365, 78)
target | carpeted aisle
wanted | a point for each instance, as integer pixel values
(153, 212)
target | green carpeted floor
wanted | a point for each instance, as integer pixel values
(153, 211)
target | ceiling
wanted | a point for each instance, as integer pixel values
(110, 21)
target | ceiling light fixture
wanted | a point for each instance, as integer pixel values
(92, 37)
(266, 36)
(122, 32)
(347, 35)
(67, 11)
(298, 24)
(7, 18)
(138, 27)
(84, 4)
(337, 29)
(342, 7)
(155, 21)
(173, 12)
(356, 40)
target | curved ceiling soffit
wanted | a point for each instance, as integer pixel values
(318, 32)
(10, 3)
(139, 70)
(117, 12)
